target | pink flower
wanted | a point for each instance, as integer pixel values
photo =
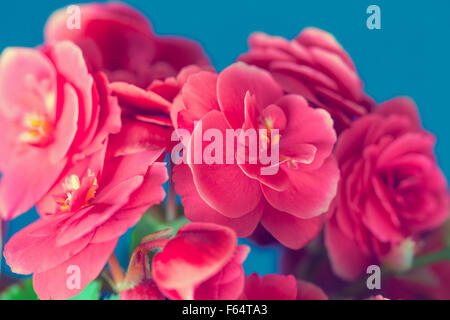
(53, 112)
(289, 203)
(82, 218)
(119, 41)
(202, 262)
(280, 287)
(146, 113)
(391, 190)
(315, 66)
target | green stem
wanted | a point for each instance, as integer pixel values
(430, 258)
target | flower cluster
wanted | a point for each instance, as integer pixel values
(284, 144)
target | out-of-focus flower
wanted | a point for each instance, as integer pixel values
(391, 189)
(202, 262)
(315, 66)
(146, 113)
(289, 203)
(280, 287)
(82, 219)
(53, 112)
(118, 40)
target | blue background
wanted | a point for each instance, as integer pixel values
(408, 56)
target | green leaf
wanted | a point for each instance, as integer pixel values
(20, 291)
(91, 292)
(150, 223)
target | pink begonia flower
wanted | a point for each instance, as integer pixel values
(391, 190)
(119, 41)
(290, 203)
(146, 113)
(96, 202)
(52, 112)
(202, 262)
(280, 287)
(315, 66)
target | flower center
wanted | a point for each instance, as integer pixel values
(78, 194)
(37, 129)
(267, 124)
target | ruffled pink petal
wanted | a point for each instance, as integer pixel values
(270, 287)
(376, 219)
(213, 181)
(150, 193)
(180, 52)
(27, 84)
(291, 231)
(314, 37)
(196, 209)
(353, 139)
(121, 168)
(310, 193)
(55, 29)
(199, 96)
(234, 83)
(33, 249)
(94, 162)
(277, 179)
(347, 260)
(106, 204)
(401, 106)
(414, 143)
(135, 99)
(113, 197)
(309, 132)
(23, 185)
(136, 136)
(196, 253)
(109, 35)
(228, 283)
(8, 145)
(53, 283)
(66, 127)
(70, 63)
(108, 118)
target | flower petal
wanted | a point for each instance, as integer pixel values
(232, 87)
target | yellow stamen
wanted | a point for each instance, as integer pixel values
(37, 129)
(276, 139)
